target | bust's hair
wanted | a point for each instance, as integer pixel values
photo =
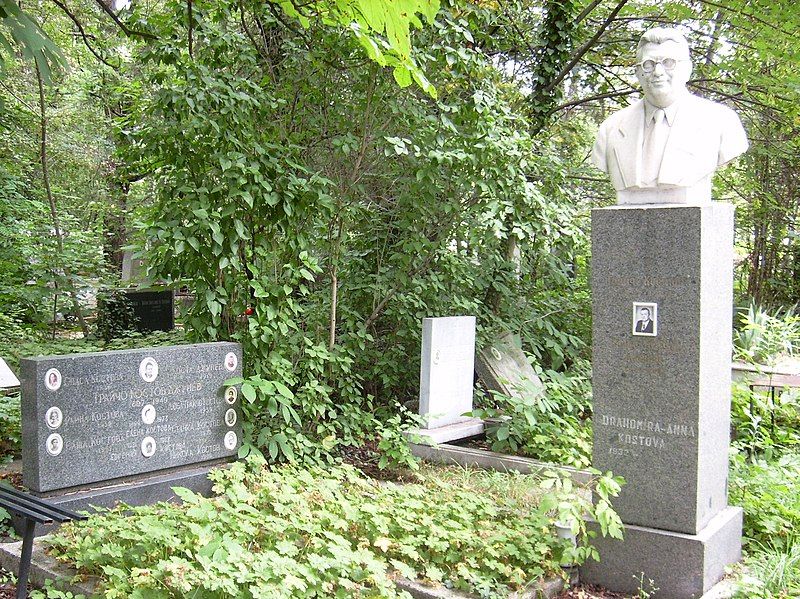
(659, 35)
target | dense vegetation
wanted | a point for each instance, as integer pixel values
(320, 176)
(331, 533)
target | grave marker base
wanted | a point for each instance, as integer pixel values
(681, 566)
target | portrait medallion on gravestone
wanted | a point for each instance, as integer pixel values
(230, 395)
(231, 361)
(52, 379)
(149, 414)
(645, 319)
(148, 447)
(148, 369)
(230, 440)
(54, 444)
(54, 417)
(230, 417)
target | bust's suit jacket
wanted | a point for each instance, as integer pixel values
(704, 135)
(642, 328)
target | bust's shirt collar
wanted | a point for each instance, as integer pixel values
(670, 111)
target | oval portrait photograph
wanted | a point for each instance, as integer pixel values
(148, 369)
(231, 361)
(230, 395)
(148, 446)
(54, 417)
(230, 440)
(54, 444)
(149, 414)
(230, 417)
(52, 379)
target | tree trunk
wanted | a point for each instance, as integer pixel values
(76, 307)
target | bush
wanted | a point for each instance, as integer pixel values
(552, 426)
(763, 338)
(115, 315)
(759, 426)
(772, 572)
(769, 492)
(10, 430)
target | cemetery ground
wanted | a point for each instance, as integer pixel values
(377, 529)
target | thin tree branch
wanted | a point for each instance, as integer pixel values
(587, 11)
(125, 29)
(586, 47)
(85, 37)
(588, 99)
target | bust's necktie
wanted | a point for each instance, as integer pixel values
(655, 140)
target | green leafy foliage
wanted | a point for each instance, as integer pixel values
(762, 337)
(770, 572)
(26, 35)
(261, 202)
(769, 492)
(115, 315)
(314, 533)
(10, 428)
(549, 423)
(761, 426)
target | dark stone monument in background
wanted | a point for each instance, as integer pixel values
(128, 425)
(154, 310)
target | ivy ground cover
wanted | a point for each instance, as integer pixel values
(294, 532)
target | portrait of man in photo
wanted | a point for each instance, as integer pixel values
(148, 369)
(644, 319)
(54, 444)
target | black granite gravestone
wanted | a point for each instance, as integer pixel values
(89, 418)
(154, 310)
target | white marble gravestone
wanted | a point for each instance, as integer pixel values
(446, 378)
(7, 378)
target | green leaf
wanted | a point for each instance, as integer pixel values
(248, 392)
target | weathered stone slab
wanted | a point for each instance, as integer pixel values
(133, 269)
(450, 432)
(662, 401)
(96, 417)
(503, 367)
(469, 457)
(7, 377)
(447, 370)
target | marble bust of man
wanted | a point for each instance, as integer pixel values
(665, 147)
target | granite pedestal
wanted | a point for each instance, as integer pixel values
(662, 398)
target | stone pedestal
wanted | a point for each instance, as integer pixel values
(662, 399)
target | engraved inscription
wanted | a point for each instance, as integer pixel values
(644, 433)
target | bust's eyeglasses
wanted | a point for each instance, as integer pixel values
(648, 66)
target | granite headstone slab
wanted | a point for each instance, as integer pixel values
(503, 366)
(154, 310)
(101, 416)
(662, 401)
(447, 369)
